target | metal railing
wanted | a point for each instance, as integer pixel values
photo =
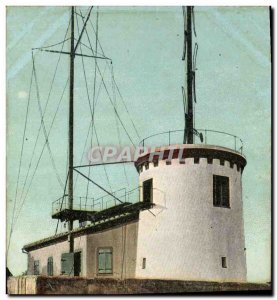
(97, 204)
(211, 137)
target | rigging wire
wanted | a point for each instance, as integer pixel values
(121, 97)
(21, 155)
(91, 110)
(62, 200)
(94, 88)
(99, 71)
(117, 129)
(44, 128)
(42, 150)
(193, 21)
(90, 126)
(39, 130)
(126, 107)
(185, 34)
(194, 69)
(50, 46)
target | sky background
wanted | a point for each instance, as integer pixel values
(145, 45)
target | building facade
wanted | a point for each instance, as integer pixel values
(192, 231)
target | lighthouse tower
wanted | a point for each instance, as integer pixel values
(194, 231)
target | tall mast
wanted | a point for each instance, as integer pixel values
(71, 132)
(188, 133)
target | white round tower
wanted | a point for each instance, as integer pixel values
(195, 229)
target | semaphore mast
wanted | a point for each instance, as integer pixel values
(187, 56)
(71, 132)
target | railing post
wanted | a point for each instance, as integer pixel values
(169, 137)
(235, 143)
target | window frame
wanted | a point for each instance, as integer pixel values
(224, 182)
(97, 264)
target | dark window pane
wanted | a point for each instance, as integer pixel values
(221, 191)
(144, 263)
(147, 190)
(224, 262)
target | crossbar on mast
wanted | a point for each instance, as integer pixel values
(76, 54)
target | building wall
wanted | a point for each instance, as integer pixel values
(56, 250)
(184, 236)
(123, 241)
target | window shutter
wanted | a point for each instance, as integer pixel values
(67, 264)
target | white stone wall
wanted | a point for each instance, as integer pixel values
(184, 236)
(56, 250)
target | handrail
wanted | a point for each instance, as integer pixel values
(169, 133)
(96, 204)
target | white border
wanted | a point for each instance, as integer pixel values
(3, 5)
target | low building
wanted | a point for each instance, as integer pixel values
(188, 224)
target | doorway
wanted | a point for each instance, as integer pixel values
(77, 263)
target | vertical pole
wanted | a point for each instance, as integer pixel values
(189, 77)
(71, 132)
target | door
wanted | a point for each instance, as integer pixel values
(77, 263)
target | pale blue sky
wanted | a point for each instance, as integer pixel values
(145, 44)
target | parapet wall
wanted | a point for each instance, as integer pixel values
(43, 285)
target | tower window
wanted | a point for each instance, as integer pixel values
(156, 163)
(221, 193)
(196, 160)
(50, 266)
(224, 262)
(36, 267)
(146, 166)
(105, 261)
(147, 190)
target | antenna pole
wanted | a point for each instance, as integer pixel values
(188, 136)
(71, 132)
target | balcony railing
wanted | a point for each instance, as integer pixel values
(97, 204)
(210, 137)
